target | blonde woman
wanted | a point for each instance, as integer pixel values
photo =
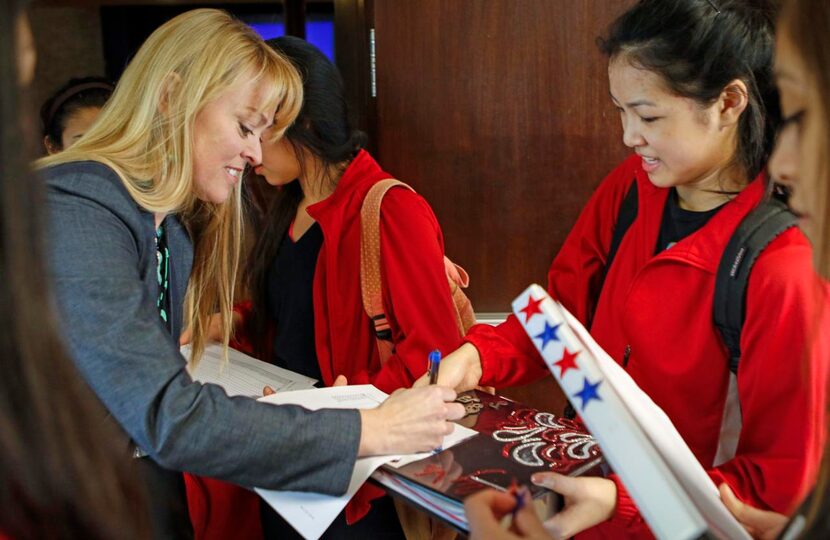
(144, 241)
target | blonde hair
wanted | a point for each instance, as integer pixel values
(145, 134)
(808, 22)
(808, 25)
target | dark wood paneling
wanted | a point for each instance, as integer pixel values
(353, 20)
(294, 17)
(497, 111)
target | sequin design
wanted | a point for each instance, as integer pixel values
(538, 439)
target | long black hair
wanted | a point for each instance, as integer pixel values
(64, 471)
(323, 131)
(700, 46)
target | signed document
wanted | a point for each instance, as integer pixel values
(312, 513)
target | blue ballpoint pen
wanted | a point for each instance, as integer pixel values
(434, 364)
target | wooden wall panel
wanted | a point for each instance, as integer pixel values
(497, 111)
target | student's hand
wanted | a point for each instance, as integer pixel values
(267, 391)
(412, 420)
(461, 370)
(588, 501)
(761, 524)
(487, 508)
(340, 381)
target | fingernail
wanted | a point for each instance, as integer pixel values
(539, 480)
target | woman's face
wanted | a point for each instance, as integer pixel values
(791, 160)
(279, 165)
(681, 142)
(77, 123)
(226, 138)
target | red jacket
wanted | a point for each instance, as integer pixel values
(661, 305)
(416, 294)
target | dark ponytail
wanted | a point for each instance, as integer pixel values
(700, 46)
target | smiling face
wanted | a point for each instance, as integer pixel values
(682, 142)
(793, 161)
(226, 138)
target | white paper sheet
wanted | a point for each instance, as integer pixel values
(312, 513)
(244, 375)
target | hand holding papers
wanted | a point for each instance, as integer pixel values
(673, 492)
(311, 513)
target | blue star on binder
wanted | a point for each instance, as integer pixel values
(548, 334)
(589, 391)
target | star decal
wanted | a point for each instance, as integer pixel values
(588, 392)
(567, 362)
(548, 334)
(532, 308)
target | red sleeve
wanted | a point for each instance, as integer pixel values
(781, 380)
(508, 357)
(416, 291)
(781, 385)
(240, 339)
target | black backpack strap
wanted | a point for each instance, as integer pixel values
(627, 215)
(760, 227)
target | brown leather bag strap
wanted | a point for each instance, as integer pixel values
(371, 286)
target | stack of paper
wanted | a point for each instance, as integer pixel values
(673, 492)
(244, 375)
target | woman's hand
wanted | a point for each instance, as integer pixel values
(412, 420)
(588, 501)
(487, 508)
(461, 370)
(761, 524)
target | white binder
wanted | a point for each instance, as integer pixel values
(672, 490)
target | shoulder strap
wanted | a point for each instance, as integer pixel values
(627, 215)
(760, 227)
(370, 273)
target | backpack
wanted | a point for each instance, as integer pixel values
(754, 233)
(371, 286)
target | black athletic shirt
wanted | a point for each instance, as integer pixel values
(678, 223)
(290, 302)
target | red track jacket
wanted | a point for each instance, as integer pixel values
(416, 297)
(661, 306)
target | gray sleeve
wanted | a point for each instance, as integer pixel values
(121, 349)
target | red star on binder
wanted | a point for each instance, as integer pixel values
(567, 362)
(532, 308)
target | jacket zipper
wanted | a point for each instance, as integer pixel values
(626, 355)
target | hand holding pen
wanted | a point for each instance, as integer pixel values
(486, 509)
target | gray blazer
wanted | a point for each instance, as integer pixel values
(102, 256)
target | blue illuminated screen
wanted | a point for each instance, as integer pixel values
(319, 32)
